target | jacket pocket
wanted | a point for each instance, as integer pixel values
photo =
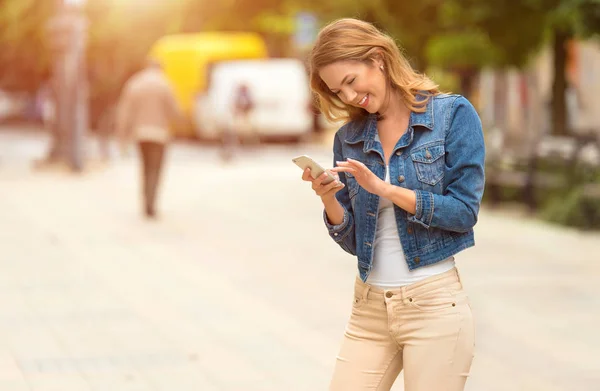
(429, 162)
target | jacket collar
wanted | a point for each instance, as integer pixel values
(366, 130)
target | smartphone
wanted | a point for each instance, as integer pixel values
(315, 168)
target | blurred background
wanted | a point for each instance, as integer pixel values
(236, 286)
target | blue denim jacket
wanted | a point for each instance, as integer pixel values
(441, 158)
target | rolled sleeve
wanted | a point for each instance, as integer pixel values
(340, 231)
(424, 209)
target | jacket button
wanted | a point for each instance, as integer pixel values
(335, 234)
(398, 153)
(417, 260)
(388, 294)
(428, 154)
(401, 178)
(409, 229)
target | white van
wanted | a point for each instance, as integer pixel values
(278, 88)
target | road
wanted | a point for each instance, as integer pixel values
(238, 287)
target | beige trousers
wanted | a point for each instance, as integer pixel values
(425, 329)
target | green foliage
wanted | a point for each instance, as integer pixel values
(468, 33)
(590, 17)
(514, 28)
(447, 80)
(414, 24)
(576, 17)
(453, 35)
(462, 50)
(573, 209)
(572, 202)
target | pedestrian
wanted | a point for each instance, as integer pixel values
(147, 110)
(409, 164)
(241, 125)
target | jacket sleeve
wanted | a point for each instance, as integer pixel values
(458, 207)
(344, 233)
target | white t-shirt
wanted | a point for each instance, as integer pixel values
(389, 264)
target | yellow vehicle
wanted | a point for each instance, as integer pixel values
(187, 59)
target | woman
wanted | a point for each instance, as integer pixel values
(409, 163)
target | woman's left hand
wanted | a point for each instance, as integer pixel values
(363, 175)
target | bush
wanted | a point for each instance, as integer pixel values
(574, 209)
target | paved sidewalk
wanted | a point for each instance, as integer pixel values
(234, 290)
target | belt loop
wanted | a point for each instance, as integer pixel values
(459, 277)
(403, 293)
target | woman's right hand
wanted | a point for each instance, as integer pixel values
(326, 192)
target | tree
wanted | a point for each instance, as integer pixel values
(458, 35)
(410, 23)
(465, 35)
(569, 19)
(515, 30)
(478, 33)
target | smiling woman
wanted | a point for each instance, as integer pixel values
(357, 79)
(357, 60)
(411, 163)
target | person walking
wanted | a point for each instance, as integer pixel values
(147, 109)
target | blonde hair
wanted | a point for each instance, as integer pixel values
(355, 40)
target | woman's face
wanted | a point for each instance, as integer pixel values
(356, 83)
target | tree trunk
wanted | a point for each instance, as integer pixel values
(69, 124)
(559, 84)
(468, 78)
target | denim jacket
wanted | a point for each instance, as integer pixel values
(441, 158)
